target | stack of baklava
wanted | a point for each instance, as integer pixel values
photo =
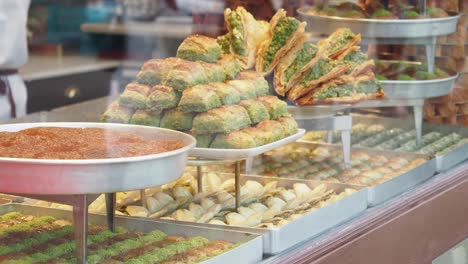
(203, 92)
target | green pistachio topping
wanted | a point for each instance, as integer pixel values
(382, 13)
(410, 15)
(237, 37)
(305, 55)
(319, 69)
(284, 29)
(338, 42)
(223, 41)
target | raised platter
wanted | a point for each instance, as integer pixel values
(62, 177)
(381, 28)
(240, 154)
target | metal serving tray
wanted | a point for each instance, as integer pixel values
(240, 154)
(48, 176)
(443, 162)
(250, 251)
(418, 88)
(382, 192)
(310, 225)
(382, 28)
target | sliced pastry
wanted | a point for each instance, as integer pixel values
(285, 33)
(244, 34)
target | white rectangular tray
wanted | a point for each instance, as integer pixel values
(240, 154)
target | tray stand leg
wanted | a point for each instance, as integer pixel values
(418, 118)
(143, 198)
(330, 136)
(237, 183)
(80, 220)
(248, 165)
(199, 179)
(110, 210)
(430, 54)
(346, 141)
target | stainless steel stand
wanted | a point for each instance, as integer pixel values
(343, 123)
(199, 163)
(80, 203)
(416, 104)
(428, 42)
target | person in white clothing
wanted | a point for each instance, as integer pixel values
(13, 54)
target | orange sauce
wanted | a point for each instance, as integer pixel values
(79, 143)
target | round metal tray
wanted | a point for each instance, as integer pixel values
(382, 28)
(36, 176)
(416, 89)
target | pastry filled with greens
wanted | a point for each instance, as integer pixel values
(292, 65)
(199, 48)
(338, 43)
(284, 34)
(244, 35)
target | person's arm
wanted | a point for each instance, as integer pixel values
(13, 44)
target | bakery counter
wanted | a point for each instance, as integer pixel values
(431, 215)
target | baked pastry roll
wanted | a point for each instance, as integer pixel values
(146, 118)
(199, 48)
(224, 119)
(154, 71)
(276, 108)
(177, 119)
(117, 113)
(234, 140)
(199, 98)
(134, 96)
(162, 97)
(257, 111)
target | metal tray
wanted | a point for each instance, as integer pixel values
(250, 251)
(382, 28)
(240, 154)
(310, 225)
(397, 185)
(34, 176)
(418, 88)
(443, 162)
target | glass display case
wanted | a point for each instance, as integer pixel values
(147, 131)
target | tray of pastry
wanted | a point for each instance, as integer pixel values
(407, 79)
(285, 211)
(380, 28)
(50, 240)
(448, 143)
(386, 173)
